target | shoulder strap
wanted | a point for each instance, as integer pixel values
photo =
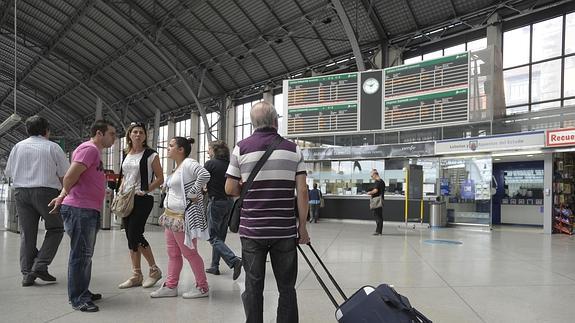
(144, 185)
(120, 176)
(248, 184)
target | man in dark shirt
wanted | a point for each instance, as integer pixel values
(378, 189)
(219, 206)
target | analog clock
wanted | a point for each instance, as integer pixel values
(370, 85)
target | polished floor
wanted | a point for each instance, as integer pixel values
(507, 275)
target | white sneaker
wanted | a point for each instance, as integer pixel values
(196, 293)
(165, 291)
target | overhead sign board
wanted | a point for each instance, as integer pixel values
(560, 137)
(511, 142)
(370, 152)
(433, 92)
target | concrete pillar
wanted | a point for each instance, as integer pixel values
(229, 122)
(156, 130)
(268, 95)
(194, 131)
(171, 133)
(494, 88)
(98, 109)
(547, 193)
(394, 57)
(116, 156)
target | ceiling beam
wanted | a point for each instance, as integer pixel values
(150, 43)
(375, 20)
(350, 34)
(54, 41)
(4, 12)
(411, 14)
(249, 50)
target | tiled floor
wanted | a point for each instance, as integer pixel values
(507, 275)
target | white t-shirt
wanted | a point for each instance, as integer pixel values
(175, 196)
(131, 170)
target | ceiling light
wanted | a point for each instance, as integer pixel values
(517, 153)
(10, 123)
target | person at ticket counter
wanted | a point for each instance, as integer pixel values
(378, 189)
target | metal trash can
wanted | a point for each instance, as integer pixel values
(10, 214)
(107, 210)
(438, 214)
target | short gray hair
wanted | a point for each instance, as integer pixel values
(263, 114)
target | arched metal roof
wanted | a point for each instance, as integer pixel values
(142, 55)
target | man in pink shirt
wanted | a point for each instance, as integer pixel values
(81, 202)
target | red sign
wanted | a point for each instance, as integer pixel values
(560, 137)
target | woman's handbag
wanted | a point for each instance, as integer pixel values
(375, 203)
(172, 221)
(123, 203)
(234, 221)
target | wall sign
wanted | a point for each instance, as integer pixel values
(529, 140)
(560, 137)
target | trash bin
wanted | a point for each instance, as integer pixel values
(11, 216)
(438, 214)
(107, 210)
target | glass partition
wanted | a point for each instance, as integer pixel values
(466, 185)
(352, 177)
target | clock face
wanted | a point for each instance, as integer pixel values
(370, 85)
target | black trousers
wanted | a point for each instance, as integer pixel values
(31, 206)
(378, 214)
(283, 254)
(135, 223)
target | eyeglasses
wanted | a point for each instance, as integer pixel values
(137, 124)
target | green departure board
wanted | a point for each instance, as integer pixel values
(311, 119)
(426, 109)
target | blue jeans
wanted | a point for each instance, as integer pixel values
(218, 214)
(81, 225)
(283, 254)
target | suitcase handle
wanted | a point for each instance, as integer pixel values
(321, 282)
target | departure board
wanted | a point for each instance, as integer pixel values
(427, 76)
(312, 119)
(322, 103)
(425, 109)
(427, 93)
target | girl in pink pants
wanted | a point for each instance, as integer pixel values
(184, 220)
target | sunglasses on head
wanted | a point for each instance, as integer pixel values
(137, 124)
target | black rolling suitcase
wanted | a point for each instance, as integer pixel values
(369, 304)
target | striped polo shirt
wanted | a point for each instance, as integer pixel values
(268, 208)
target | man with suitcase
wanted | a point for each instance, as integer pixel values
(268, 223)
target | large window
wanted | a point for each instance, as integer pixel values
(184, 128)
(242, 123)
(203, 139)
(539, 65)
(472, 45)
(162, 149)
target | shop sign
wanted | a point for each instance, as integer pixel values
(369, 152)
(535, 139)
(560, 137)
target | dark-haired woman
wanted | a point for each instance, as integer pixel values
(184, 220)
(141, 170)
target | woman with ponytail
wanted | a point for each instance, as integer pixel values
(184, 220)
